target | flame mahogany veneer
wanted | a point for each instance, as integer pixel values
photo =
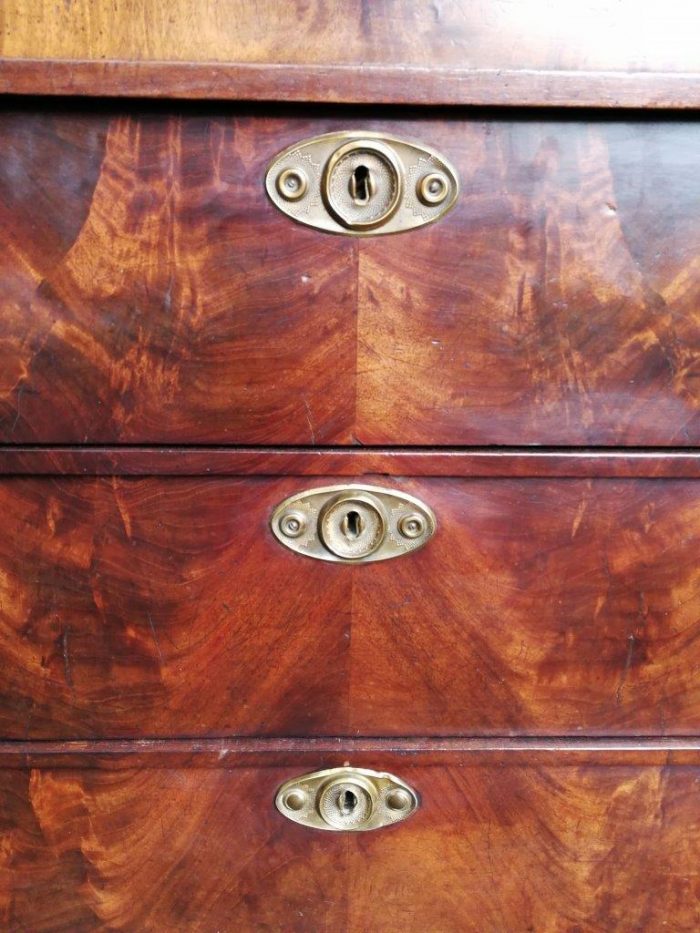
(501, 842)
(152, 294)
(177, 357)
(163, 606)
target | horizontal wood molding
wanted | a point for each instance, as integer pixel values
(321, 752)
(353, 84)
(610, 53)
(340, 461)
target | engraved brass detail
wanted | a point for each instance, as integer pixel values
(346, 799)
(361, 183)
(292, 184)
(353, 524)
(433, 188)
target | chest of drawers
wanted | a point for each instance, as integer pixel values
(200, 397)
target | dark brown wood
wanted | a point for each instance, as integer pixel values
(596, 845)
(151, 294)
(147, 281)
(164, 607)
(352, 84)
(309, 754)
(543, 310)
(204, 330)
(348, 462)
(177, 357)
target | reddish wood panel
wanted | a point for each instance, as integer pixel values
(600, 845)
(349, 84)
(151, 294)
(304, 754)
(346, 461)
(543, 309)
(165, 607)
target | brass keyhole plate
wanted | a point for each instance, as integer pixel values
(361, 183)
(353, 524)
(346, 799)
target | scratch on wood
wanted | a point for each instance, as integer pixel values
(66, 656)
(20, 390)
(155, 638)
(308, 418)
(628, 661)
(123, 511)
(578, 517)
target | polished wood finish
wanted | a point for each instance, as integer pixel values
(611, 53)
(177, 357)
(151, 294)
(494, 846)
(485, 34)
(150, 291)
(305, 754)
(542, 310)
(350, 84)
(347, 462)
(164, 607)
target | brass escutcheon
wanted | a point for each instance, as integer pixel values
(353, 524)
(346, 799)
(292, 184)
(361, 183)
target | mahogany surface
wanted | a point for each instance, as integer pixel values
(494, 846)
(349, 462)
(341, 84)
(165, 607)
(310, 753)
(151, 294)
(609, 52)
(177, 357)
(486, 34)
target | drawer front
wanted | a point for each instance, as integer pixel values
(510, 844)
(156, 606)
(150, 292)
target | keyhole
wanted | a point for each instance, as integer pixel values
(347, 802)
(353, 526)
(361, 185)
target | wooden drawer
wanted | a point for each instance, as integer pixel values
(547, 840)
(150, 292)
(163, 605)
(178, 357)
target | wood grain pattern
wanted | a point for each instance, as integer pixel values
(150, 291)
(350, 84)
(304, 754)
(597, 35)
(164, 607)
(542, 311)
(592, 846)
(165, 663)
(348, 462)
(150, 294)
(606, 53)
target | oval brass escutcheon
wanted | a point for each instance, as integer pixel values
(361, 183)
(346, 799)
(353, 524)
